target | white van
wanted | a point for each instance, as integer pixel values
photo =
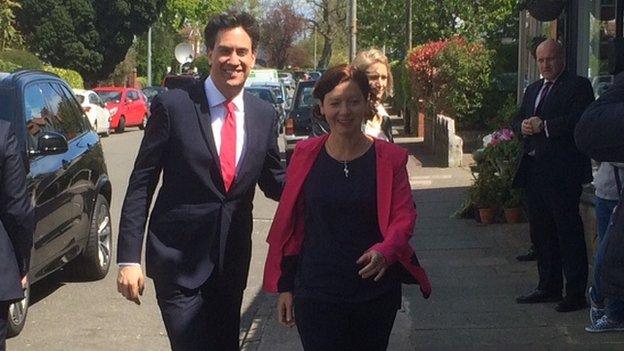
(262, 75)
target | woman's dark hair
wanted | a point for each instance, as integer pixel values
(332, 78)
(229, 20)
(340, 74)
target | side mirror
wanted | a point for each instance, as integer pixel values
(50, 143)
(279, 100)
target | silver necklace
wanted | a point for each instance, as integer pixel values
(346, 168)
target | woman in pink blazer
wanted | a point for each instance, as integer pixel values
(338, 246)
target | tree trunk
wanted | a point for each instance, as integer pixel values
(326, 54)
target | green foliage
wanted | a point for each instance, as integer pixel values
(142, 81)
(202, 64)
(23, 59)
(73, 78)
(451, 75)
(9, 35)
(402, 87)
(91, 37)
(8, 66)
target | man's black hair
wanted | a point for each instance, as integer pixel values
(229, 20)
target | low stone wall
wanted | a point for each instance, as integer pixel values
(441, 139)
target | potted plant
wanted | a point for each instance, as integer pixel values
(543, 10)
(486, 193)
(512, 206)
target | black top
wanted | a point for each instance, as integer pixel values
(341, 224)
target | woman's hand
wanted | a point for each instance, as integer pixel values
(285, 310)
(375, 265)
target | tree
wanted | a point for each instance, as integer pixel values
(89, 36)
(8, 34)
(279, 29)
(330, 19)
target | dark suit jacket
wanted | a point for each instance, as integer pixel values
(557, 156)
(16, 217)
(193, 217)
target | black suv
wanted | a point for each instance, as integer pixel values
(66, 177)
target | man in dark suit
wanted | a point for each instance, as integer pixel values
(552, 171)
(213, 143)
(16, 226)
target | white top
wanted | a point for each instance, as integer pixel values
(372, 128)
(218, 112)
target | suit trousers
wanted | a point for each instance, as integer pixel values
(333, 326)
(202, 319)
(4, 317)
(557, 232)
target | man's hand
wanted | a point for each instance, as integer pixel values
(285, 310)
(526, 128)
(536, 124)
(376, 265)
(130, 283)
(24, 281)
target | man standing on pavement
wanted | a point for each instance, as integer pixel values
(213, 143)
(552, 171)
(16, 226)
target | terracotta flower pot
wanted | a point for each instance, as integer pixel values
(487, 215)
(513, 215)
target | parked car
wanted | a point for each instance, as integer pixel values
(266, 94)
(279, 90)
(298, 122)
(128, 107)
(67, 181)
(152, 92)
(96, 110)
(287, 79)
(315, 75)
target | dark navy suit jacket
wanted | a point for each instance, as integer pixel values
(16, 217)
(561, 162)
(196, 227)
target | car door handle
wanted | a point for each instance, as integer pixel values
(66, 164)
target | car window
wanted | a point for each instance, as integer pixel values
(93, 99)
(38, 115)
(305, 98)
(67, 117)
(80, 98)
(266, 96)
(109, 95)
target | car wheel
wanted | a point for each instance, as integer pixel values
(17, 314)
(122, 125)
(94, 262)
(143, 122)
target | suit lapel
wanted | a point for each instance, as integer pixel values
(202, 110)
(252, 131)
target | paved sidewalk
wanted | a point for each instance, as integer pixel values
(475, 280)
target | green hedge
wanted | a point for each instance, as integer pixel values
(73, 78)
(23, 59)
(8, 66)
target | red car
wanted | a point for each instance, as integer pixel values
(127, 106)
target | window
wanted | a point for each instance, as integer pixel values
(37, 114)
(132, 95)
(94, 99)
(67, 114)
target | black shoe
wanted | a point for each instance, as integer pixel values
(573, 304)
(531, 255)
(539, 296)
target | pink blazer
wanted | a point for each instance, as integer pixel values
(395, 210)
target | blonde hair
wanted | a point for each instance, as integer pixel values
(364, 59)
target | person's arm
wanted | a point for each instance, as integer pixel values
(141, 187)
(599, 133)
(16, 213)
(272, 176)
(563, 126)
(402, 216)
(516, 124)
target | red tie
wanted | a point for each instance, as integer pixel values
(227, 153)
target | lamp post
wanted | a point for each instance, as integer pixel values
(352, 29)
(149, 56)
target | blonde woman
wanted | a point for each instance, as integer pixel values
(377, 69)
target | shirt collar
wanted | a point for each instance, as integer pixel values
(215, 98)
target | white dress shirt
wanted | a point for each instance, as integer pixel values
(217, 115)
